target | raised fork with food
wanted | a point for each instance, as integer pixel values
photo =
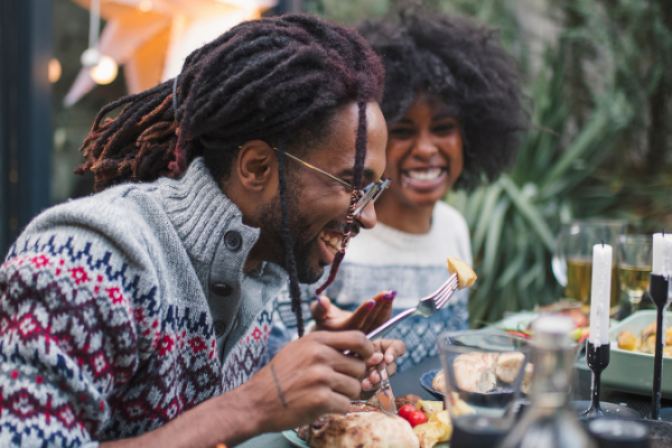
(462, 276)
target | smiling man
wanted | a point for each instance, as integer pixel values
(138, 316)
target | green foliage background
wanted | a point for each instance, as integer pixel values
(600, 81)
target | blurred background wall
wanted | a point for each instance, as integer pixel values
(598, 72)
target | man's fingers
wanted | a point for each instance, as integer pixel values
(348, 365)
(352, 340)
(345, 385)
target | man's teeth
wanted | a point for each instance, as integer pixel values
(331, 242)
(424, 174)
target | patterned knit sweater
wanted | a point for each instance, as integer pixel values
(120, 311)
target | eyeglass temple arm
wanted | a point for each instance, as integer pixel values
(340, 181)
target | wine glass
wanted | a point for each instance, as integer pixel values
(572, 260)
(634, 267)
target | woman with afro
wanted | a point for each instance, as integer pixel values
(454, 110)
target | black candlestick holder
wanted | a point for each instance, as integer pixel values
(597, 358)
(659, 290)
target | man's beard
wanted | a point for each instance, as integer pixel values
(271, 225)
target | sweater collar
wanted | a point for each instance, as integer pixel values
(201, 213)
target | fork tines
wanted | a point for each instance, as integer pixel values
(444, 292)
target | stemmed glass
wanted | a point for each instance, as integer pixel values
(572, 259)
(635, 266)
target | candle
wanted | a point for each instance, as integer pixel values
(600, 293)
(662, 255)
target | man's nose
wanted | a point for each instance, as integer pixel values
(367, 219)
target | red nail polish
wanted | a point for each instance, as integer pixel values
(371, 304)
(390, 296)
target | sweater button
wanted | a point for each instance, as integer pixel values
(233, 241)
(221, 289)
(220, 327)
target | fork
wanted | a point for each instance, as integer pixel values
(427, 306)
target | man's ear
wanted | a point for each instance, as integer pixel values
(256, 165)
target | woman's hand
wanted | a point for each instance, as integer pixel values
(368, 316)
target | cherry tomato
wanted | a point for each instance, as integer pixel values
(416, 418)
(406, 410)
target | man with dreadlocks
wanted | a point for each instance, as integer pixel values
(149, 302)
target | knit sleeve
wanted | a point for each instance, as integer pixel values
(70, 334)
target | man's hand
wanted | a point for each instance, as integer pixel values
(308, 378)
(368, 316)
(387, 350)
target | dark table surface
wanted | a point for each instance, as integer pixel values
(408, 382)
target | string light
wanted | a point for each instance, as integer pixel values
(105, 72)
(145, 5)
(54, 70)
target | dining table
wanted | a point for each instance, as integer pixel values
(408, 382)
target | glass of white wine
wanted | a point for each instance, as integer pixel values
(635, 255)
(572, 260)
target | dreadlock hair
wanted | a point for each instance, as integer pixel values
(278, 79)
(467, 68)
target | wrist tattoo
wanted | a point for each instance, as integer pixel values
(277, 386)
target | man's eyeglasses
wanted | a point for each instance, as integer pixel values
(367, 194)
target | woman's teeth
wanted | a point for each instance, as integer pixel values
(424, 174)
(330, 241)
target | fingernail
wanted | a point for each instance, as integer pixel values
(319, 301)
(390, 296)
(371, 304)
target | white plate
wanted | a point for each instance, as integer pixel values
(518, 322)
(291, 436)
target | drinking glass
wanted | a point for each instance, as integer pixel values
(483, 375)
(634, 269)
(572, 260)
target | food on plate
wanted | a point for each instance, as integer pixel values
(439, 382)
(438, 427)
(359, 429)
(646, 343)
(479, 372)
(366, 425)
(465, 275)
(436, 430)
(627, 340)
(509, 365)
(475, 372)
(416, 418)
(406, 410)
(527, 379)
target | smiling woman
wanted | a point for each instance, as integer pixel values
(453, 106)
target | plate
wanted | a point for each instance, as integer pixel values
(518, 321)
(291, 436)
(426, 382)
(633, 371)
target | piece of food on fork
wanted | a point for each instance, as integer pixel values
(465, 275)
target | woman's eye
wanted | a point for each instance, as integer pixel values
(444, 128)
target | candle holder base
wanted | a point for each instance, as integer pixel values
(597, 358)
(664, 415)
(611, 410)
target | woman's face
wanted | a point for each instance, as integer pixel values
(424, 153)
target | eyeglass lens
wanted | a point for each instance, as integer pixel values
(371, 193)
